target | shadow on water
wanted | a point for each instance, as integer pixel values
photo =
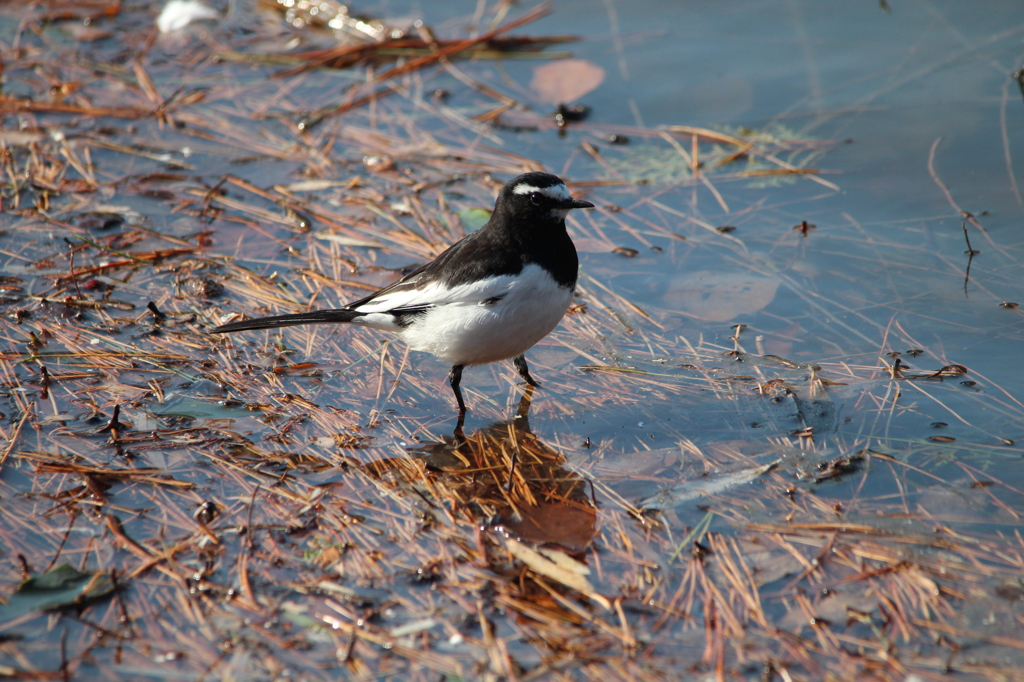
(504, 477)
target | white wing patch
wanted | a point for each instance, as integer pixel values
(457, 328)
(558, 192)
(437, 294)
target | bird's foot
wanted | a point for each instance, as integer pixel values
(524, 371)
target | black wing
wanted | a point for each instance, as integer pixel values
(476, 256)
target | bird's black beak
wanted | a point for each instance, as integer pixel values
(575, 203)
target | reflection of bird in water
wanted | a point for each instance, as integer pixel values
(504, 475)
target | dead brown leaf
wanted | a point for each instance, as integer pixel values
(566, 80)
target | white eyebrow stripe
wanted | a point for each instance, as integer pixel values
(559, 191)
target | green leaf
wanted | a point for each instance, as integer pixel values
(474, 218)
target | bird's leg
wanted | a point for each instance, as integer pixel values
(524, 371)
(455, 378)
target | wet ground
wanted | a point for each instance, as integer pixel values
(778, 435)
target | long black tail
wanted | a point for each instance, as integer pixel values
(312, 317)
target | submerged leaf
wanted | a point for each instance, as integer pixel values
(570, 525)
(183, 406)
(58, 588)
(721, 296)
(709, 485)
(566, 80)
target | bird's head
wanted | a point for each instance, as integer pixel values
(536, 198)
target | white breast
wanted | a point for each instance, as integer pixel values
(464, 329)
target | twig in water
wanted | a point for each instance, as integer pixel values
(949, 196)
(248, 520)
(970, 250)
(44, 382)
(511, 470)
(971, 253)
(114, 422)
(157, 315)
(736, 350)
(71, 266)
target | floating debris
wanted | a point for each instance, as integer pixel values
(200, 287)
(177, 14)
(707, 486)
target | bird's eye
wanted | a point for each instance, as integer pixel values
(535, 198)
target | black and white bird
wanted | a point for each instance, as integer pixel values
(491, 296)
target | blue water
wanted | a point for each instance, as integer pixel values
(888, 250)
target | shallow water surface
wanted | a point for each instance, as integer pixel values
(778, 435)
